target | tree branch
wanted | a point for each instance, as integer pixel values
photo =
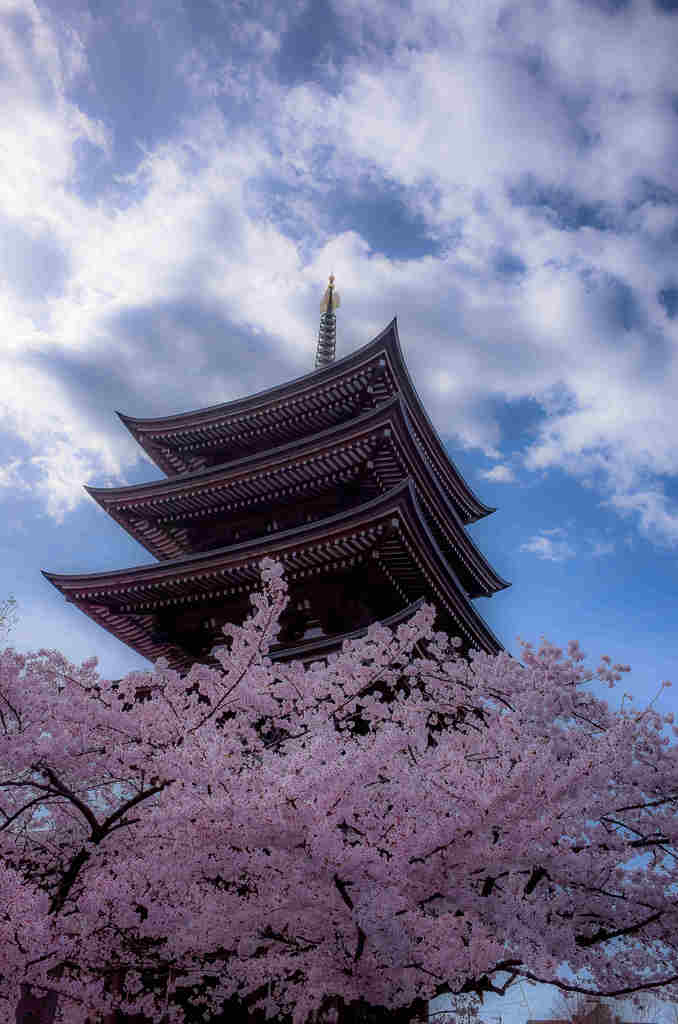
(602, 935)
(341, 886)
(628, 990)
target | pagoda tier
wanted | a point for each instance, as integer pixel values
(367, 563)
(335, 394)
(297, 483)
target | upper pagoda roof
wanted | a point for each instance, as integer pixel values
(151, 512)
(300, 408)
(390, 528)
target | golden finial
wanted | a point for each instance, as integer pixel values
(330, 296)
(327, 336)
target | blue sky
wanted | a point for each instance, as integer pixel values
(178, 180)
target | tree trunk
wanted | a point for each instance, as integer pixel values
(35, 1009)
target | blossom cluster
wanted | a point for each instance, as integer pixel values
(389, 824)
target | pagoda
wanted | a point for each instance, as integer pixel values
(338, 474)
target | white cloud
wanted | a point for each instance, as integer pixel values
(657, 520)
(456, 113)
(500, 474)
(600, 548)
(469, 124)
(546, 548)
(11, 477)
(117, 259)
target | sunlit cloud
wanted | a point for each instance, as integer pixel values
(535, 168)
(651, 509)
(548, 549)
(500, 474)
(601, 548)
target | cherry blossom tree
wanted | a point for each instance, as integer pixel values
(375, 830)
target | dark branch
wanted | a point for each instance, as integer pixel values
(361, 944)
(628, 990)
(534, 880)
(341, 886)
(602, 935)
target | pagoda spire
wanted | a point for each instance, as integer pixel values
(327, 335)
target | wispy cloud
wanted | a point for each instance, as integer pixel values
(11, 476)
(600, 548)
(500, 474)
(182, 258)
(547, 548)
(657, 520)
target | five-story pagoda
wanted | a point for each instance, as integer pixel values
(338, 474)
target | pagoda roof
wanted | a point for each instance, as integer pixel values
(391, 529)
(320, 647)
(146, 511)
(299, 408)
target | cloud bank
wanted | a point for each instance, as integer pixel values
(502, 176)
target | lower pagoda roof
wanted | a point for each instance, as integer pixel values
(320, 647)
(391, 530)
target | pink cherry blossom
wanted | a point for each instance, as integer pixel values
(390, 825)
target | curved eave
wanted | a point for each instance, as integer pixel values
(393, 412)
(92, 589)
(322, 646)
(488, 577)
(251, 403)
(176, 483)
(480, 633)
(317, 648)
(477, 509)
(314, 649)
(258, 547)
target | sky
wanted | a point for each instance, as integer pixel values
(177, 181)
